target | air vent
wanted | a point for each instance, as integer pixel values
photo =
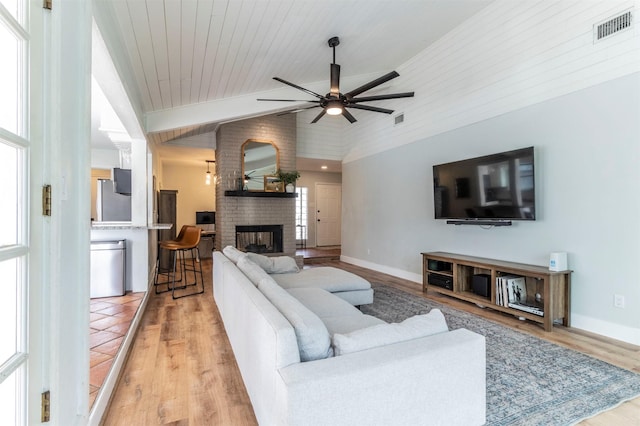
(398, 119)
(612, 26)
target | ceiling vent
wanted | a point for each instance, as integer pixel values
(398, 119)
(612, 26)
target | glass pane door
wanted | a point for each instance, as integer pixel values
(14, 149)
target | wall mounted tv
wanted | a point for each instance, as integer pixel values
(492, 190)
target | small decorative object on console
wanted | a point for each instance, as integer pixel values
(558, 261)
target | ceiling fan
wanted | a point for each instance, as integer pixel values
(335, 102)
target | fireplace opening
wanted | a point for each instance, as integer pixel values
(259, 238)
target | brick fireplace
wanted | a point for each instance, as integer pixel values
(232, 212)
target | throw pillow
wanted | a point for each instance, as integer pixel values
(254, 272)
(275, 264)
(386, 334)
(313, 337)
(262, 261)
(232, 253)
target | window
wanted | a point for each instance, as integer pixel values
(301, 213)
(14, 249)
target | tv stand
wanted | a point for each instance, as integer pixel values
(548, 293)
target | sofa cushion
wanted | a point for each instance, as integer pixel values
(325, 277)
(322, 303)
(232, 253)
(356, 297)
(313, 337)
(254, 272)
(275, 264)
(385, 334)
(344, 324)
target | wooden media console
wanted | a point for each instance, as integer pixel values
(527, 291)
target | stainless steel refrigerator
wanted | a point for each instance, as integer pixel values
(111, 206)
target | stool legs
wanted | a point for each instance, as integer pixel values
(188, 241)
(170, 274)
(195, 268)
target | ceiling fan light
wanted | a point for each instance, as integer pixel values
(334, 108)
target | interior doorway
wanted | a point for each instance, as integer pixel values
(328, 214)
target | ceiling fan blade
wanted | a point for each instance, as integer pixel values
(318, 117)
(294, 111)
(381, 97)
(348, 116)
(298, 87)
(287, 100)
(370, 85)
(372, 108)
(335, 80)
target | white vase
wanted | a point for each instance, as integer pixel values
(290, 187)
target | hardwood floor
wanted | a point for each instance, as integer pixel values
(181, 368)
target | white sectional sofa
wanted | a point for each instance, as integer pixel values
(309, 357)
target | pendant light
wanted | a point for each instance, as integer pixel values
(207, 179)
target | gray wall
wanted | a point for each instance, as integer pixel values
(588, 200)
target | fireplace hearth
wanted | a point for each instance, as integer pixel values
(259, 238)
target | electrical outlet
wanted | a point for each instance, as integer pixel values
(618, 301)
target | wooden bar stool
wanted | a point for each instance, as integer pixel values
(167, 272)
(189, 243)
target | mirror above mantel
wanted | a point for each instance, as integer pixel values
(260, 158)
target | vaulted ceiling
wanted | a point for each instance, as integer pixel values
(199, 63)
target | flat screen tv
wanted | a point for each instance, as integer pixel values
(491, 188)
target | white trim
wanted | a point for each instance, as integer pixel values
(410, 276)
(13, 24)
(14, 139)
(16, 361)
(13, 252)
(606, 328)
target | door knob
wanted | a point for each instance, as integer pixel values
(318, 220)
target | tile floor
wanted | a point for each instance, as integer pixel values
(109, 322)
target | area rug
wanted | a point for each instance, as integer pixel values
(529, 381)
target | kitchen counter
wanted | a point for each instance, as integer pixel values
(139, 259)
(128, 225)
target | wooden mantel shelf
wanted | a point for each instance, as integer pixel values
(260, 194)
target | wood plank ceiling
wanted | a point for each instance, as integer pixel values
(211, 53)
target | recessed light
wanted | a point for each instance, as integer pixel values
(323, 167)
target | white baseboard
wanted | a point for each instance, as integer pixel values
(607, 329)
(410, 276)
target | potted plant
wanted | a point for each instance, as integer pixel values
(288, 179)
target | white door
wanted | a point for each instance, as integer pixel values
(21, 341)
(328, 214)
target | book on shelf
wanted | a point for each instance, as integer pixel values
(510, 288)
(527, 308)
(517, 289)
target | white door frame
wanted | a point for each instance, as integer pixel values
(59, 262)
